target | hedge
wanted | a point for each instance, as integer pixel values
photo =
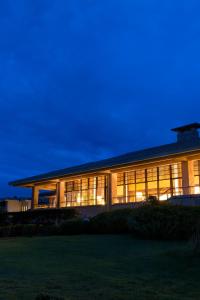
(166, 222)
(38, 216)
(114, 222)
(163, 222)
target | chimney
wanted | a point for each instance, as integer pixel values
(188, 133)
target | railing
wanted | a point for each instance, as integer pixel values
(69, 204)
(127, 199)
(45, 206)
(187, 191)
(164, 194)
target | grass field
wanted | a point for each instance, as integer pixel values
(98, 267)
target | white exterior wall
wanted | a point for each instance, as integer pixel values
(17, 206)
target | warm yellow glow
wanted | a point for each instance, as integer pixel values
(139, 196)
(126, 187)
(197, 190)
(176, 181)
(164, 197)
(100, 200)
(79, 199)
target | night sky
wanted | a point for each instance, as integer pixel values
(82, 80)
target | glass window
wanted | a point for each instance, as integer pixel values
(140, 176)
(196, 177)
(86, 191)
(161, 182)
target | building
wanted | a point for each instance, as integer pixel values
(10, 205)
(165, 171)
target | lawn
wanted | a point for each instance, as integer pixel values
(98, 267)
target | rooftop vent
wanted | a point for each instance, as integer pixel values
(187, 133)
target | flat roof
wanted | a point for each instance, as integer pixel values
(117, 161)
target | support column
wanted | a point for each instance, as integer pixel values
(191, 176)
(113, 195)
(60, 193)
(187, 177)
(35, 197)
(111, 189)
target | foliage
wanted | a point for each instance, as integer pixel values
(153, 200)
(111, 222)
(48, 297)
(68, 227)
(150, 221)
(195, 239)
(38, 216)
(165, 222)
(19, 230)
(73, 226)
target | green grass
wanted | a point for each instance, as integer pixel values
(97, 268)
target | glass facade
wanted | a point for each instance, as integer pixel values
(86, 191)
(161, 182)
(196, 177)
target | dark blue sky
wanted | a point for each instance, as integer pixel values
(81, 80)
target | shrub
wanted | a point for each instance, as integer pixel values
(48, 297)
(195, 239)
(48, 229)
(31, 229)
(166, 222)
(5, 231)
(18, 230)
(153, 200)
(73, 226)
(111, 222)
(4, 218)
(41, 216)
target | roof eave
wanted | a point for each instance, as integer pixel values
(27, 183)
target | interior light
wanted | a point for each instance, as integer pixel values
(100, 200)
(197, 190)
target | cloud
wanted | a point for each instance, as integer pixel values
(83, 80)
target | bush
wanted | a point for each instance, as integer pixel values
(41, 216)
(165, 222)
(4, 218)
(153, 200)
(18, 230)
(111, 222)
(195, 240)
(74, 226)
(5, 231)
(70, 227)
(48, 297)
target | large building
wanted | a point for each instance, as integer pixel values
(164, 171)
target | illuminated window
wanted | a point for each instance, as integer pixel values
(177, 179)
(86, 191)
(196, 177)
(164, 182)
(152, 182)
(161, 182)
(140, 185)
